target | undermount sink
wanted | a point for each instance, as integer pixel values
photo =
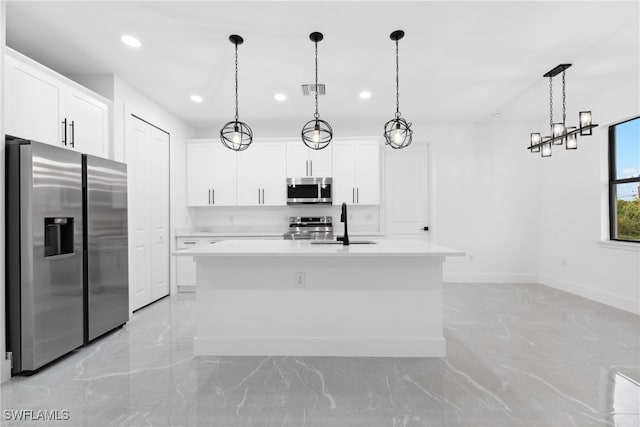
(351, 242)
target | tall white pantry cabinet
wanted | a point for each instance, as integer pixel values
(44, 106)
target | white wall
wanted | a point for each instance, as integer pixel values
(574, 213)
(485, 200)
(5, 367)
(126, 101)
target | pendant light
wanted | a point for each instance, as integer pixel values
(316, 133)
(236, 135)
(560, 133)
(397, 132)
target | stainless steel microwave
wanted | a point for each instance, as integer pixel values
(309, 190)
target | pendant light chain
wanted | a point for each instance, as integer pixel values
(236, 82)
(564, 101)
(316, 115)
(397, 81)
(551, 101)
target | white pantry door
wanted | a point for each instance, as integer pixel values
(149, 169)
(407, 191)
(159, 205)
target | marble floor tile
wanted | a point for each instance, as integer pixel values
(517, 355)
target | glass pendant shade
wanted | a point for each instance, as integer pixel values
(572, 139)
(398, 133)
(317, 134)
(557, 131)
(235, 134)
(585, 120)
(546, 150)
(535, 140)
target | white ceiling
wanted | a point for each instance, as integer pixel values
(459, 61)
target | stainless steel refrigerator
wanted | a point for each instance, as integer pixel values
(66, 251)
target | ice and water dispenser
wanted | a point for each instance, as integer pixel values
(58, 236)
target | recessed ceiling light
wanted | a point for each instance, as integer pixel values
(280, 96)
(365, 94)
(130, 41)
(196, 98)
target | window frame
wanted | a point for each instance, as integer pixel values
(613, 218)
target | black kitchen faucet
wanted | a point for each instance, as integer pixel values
(343, 218)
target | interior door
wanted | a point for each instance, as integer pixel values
(140, 199)
(407, 191)
(159, 210)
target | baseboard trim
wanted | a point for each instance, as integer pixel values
(489, 278)
(617, 301)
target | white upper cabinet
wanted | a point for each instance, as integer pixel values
(32, 105)
(211, 174)
(303, 161)
(262, 174)
(87, 122)
(356, 172)
(199, 159)
(44, 106)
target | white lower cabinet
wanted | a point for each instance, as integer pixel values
(186, 266)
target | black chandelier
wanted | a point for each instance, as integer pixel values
(235, 134)
(560, 133)
(397, 132)
(316, 133)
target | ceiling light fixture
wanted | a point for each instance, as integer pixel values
(130, 41)
(316, 133)
(235, 134)
(560, 133)
(365, 94)
(280, 97)
(196, 98)
(397, 132)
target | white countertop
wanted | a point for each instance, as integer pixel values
(262, 248)
(206, 233)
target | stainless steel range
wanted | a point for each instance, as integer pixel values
(309, 228)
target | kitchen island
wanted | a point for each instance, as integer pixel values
(282, 297)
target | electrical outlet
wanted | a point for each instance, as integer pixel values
(300, 280)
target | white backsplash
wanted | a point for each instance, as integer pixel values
(267, 219)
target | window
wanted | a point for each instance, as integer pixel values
(624, 181)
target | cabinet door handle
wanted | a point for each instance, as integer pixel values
(306, 171)
(189, 243)
(311, 163)
(358, 194)
(263, 196)
(73, 133)
(213, 196)
(209, 196)
(258, 196)
(64, 132)
(353, 195)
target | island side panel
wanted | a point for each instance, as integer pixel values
(364, 306)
